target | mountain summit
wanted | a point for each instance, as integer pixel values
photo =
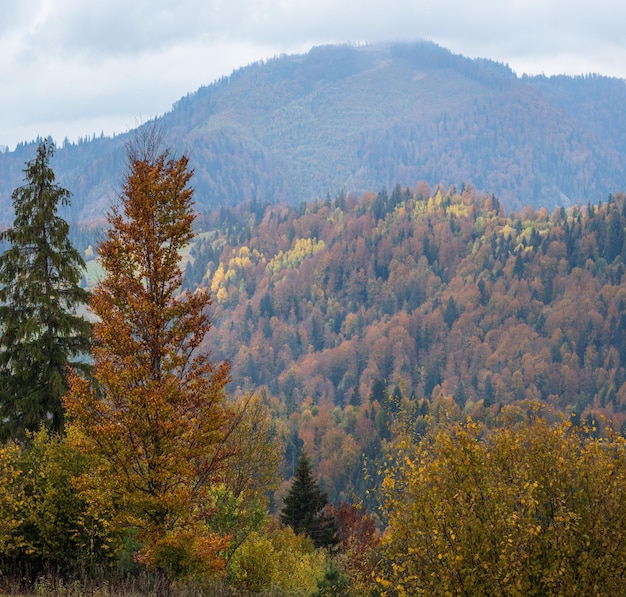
(296, 128)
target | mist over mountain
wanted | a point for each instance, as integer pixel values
(297, 128)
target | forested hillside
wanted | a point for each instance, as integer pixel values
(350, 310)
(374, 394)
(295, 128)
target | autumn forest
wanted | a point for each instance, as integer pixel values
(390, 393)
(351, 309)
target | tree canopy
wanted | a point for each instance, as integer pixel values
(305, 504)
(154, 411)
(41, 329)
(528, 508)
(439, 293)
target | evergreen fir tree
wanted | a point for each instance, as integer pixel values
(518, 270)
(355, 398)
(304, 507)
(40, 330)
(334, 583)
(488, 400)
(451, 313)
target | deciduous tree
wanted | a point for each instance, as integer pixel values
(530, 508)
(45, 523)
(360, 544)
(276, 562)
(241, 499)
(41, 332)
(154, 411)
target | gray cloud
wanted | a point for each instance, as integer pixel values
(67, 63)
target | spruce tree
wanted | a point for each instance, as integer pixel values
(334, 583)
(40, 330)
(304, 507)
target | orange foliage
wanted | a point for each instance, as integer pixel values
(153, 411)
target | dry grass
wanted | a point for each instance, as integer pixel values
(140, 586)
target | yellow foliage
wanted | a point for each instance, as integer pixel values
(12, 499)
(43, 515)
(278, 561)
(529, 508)
(244, 258)
(222, 295)
(302, 248)
(233, 273)
(254, 566)
(218, 278)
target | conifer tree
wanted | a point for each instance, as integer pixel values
(334, 583)
(304, 507)
(40, 330)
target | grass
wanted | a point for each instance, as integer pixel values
(141, 585)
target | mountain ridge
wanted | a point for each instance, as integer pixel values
(300, 127)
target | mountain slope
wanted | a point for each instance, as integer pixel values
(296, 128)
(351, 310)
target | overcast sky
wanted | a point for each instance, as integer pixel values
(71, 68)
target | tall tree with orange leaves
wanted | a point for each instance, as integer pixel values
(154, 409)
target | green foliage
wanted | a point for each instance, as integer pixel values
(529, 508)
(12, 500)
(277, 561)
(45, 521)
(57, 527)
(40, 329)
(334, 583)
(241, 500)
(304, 507)
(253, 567)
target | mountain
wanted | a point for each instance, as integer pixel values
(296, 128)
